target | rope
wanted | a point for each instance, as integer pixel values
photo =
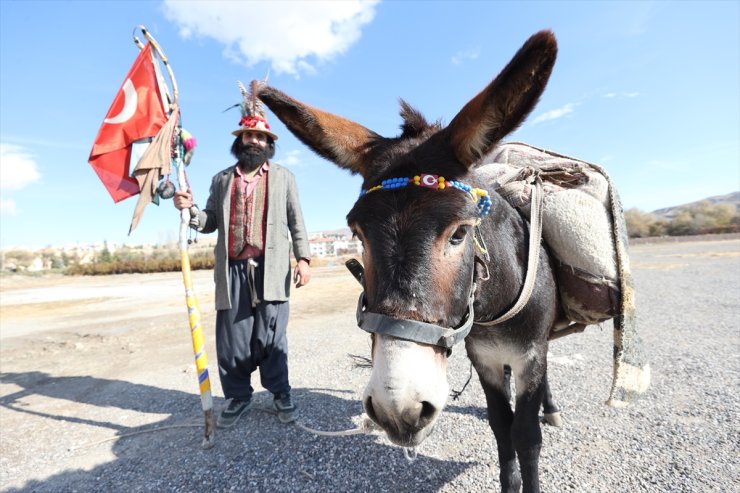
(134, 433)
(457, 393)
(367, 427)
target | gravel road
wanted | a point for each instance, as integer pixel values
(98, 393)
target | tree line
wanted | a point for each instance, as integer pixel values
(693, 219)
(168, 260)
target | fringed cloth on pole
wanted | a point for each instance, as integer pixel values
(154, 164)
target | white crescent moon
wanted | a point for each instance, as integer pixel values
(130, 103)
(429, 180)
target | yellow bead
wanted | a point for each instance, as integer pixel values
(441, 179)
(441, 185)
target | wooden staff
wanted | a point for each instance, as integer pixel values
(196, 329)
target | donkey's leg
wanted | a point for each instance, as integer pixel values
(500, 419)
(525, 430)
(549, 407)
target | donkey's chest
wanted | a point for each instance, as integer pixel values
(488, 352)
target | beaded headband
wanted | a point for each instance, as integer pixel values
(478, 195)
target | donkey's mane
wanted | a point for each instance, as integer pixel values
(414, 124)
(387, 153)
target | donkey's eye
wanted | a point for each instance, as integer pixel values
(459, 235)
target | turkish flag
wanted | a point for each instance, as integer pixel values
(137, 112)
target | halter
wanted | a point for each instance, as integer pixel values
(413, 330)
(437, 335)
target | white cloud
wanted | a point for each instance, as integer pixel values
(621, 95)
(291, 158)
(554, 114)
(17, 168)
(462, 56)
(7, 207)
(291, 36)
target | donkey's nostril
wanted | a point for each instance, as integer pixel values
(428, 412)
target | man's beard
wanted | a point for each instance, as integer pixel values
(250, 157)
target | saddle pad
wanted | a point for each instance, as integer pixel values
(577, 223)
(583, 224)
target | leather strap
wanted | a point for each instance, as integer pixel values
(412, 330)
(535, 237)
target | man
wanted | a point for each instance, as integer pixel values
(253, 205)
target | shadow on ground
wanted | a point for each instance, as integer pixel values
(259, 454)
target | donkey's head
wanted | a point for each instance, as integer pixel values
(418, 244)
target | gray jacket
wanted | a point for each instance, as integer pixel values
(283, 216)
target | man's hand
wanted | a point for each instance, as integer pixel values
(302, 273)
(183, 200)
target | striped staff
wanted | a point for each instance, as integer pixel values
(194, 318)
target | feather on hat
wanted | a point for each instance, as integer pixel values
(253, 112)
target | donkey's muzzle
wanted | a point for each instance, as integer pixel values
(407, 429)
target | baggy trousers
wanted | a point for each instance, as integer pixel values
(250, 337)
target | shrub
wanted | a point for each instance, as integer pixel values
(159, 261)
(699, 218)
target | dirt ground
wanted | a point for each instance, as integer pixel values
(90, 366)
(71, 335)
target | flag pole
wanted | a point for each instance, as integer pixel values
(191, 301)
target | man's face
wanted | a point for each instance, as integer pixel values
(253, 150)
(254, 139)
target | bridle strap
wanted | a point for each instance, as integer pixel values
(535, 237)
(413, 330)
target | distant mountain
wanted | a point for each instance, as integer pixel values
(671, 212)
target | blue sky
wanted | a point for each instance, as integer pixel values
(650, 90)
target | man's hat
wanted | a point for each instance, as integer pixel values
(253, 112)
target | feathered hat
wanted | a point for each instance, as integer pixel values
(253, 112)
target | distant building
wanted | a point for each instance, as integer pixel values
(348, 247)
(334, 243)
(322, 247)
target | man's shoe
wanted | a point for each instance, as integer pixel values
(231, 414)
(285, 408)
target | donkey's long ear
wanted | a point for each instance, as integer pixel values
(506, 102)
(339, 140)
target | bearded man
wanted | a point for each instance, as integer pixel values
(254, 205)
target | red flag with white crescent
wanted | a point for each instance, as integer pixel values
(137, 112)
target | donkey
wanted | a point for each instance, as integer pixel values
(424, 217)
